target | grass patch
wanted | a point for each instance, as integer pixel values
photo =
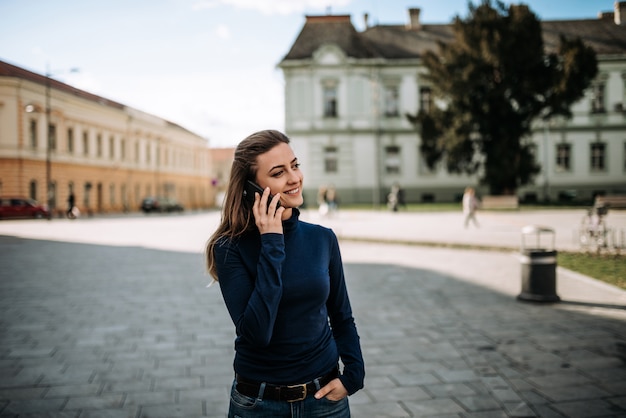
(609, 268)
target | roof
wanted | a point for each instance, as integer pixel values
(9, 70)
(397, 42)
(336, 29)
(404, 42)
(603, 35)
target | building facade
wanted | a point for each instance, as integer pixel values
(347, 93)
(110, 156)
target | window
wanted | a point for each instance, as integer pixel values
(99, 145)
(563, 157)
(597, 101)
(391, 101)
(70, 140)
(52, 202)
(32, 132)
(112, 194)
(124, 197)
(330, 160)
(86, 191)
(392, 159)
(137, 193)
(111, 147)
(330, 101)
(52, 136)
(136, 152)
(123, 149)
(85, 143)
(598, 156)
(426, 99)
(32, 189)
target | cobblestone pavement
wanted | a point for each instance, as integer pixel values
(111, 318)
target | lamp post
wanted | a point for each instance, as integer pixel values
(48, 148)
(49, 194)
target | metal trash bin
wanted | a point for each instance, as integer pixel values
(538, 267)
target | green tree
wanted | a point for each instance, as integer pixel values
(495, 78)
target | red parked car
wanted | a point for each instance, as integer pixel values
(21, 207)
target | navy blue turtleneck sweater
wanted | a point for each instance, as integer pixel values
(287, 297)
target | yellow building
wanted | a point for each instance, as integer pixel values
(109, 155)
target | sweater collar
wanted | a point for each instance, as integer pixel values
(292, 223)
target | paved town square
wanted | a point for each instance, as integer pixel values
(111, 317)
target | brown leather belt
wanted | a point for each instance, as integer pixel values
(291, 393)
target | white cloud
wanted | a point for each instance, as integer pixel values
(223, 31)
(205, 4)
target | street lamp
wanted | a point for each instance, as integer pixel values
(48, 136)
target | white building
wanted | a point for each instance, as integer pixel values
(347, 93)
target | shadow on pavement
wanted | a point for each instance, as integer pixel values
(95, 330)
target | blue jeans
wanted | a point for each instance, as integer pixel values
(242, 406)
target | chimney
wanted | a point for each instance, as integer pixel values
(414, 19)
(620, 12)
(608, 16)
(366, 18)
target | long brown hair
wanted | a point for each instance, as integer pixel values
(237, 217)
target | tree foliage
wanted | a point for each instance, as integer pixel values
(495, 78)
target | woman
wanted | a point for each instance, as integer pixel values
(283, 284)
(470, 204)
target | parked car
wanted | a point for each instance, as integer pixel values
(161, 204)
(21, 207)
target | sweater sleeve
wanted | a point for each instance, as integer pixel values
(342, 323)
(252, 299)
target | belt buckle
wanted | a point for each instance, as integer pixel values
(304, 390)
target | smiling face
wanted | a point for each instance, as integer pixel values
(279, 170)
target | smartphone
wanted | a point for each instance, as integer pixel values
(249, 190)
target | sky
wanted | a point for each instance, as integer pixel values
(207, 65)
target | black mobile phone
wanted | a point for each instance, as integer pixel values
(249, 190)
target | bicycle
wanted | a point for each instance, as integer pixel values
(593, 229)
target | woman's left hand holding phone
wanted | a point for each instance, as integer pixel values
(270, 220)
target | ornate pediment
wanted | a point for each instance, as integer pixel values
(329, 55)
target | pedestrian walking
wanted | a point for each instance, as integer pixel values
(393, 198)
(283, 284)
(400, 196)
(470, 205)
(321, 201)
(332, 200)
(71, 206)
